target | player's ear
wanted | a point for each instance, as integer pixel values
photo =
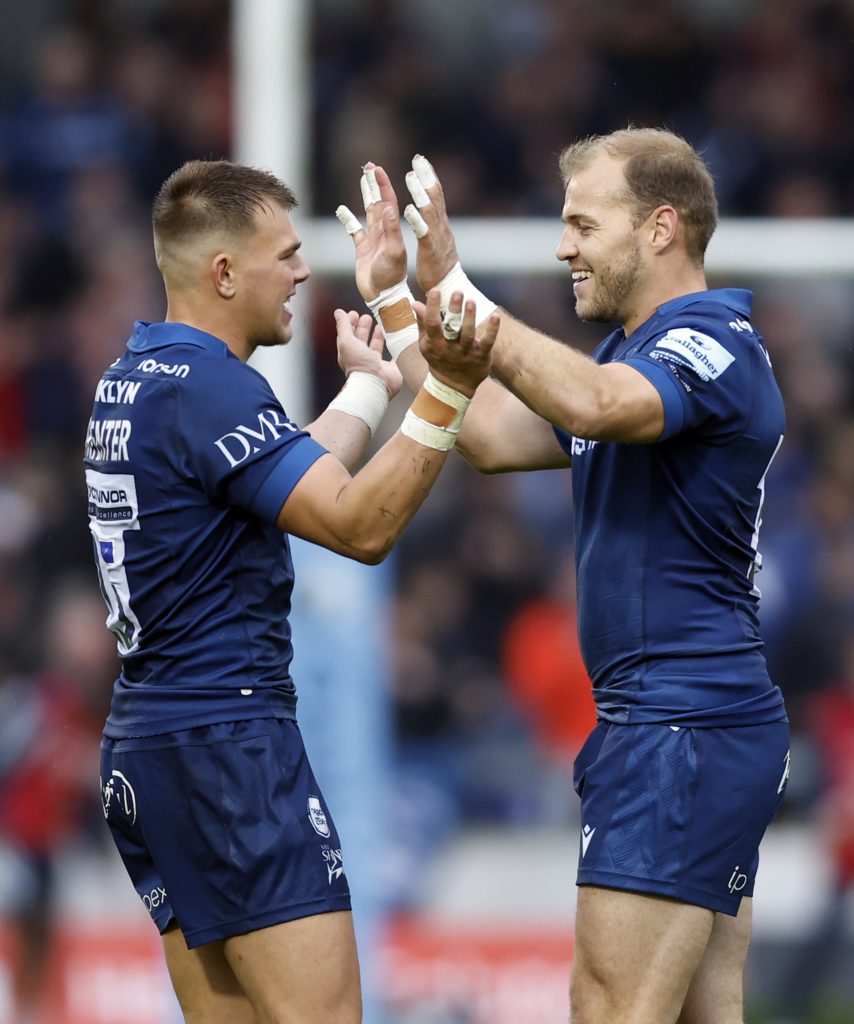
(222, 275)
(663, 223)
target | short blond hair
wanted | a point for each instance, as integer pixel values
(660, 169)
(204, 196)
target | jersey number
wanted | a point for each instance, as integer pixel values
(113, 510)
(756, 563)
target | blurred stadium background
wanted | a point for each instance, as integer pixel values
(442, 694)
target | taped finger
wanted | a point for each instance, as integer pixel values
(416, 190)
(452, 325)
(370, 188)
(424, 171)
(414, 219)
(349, 220)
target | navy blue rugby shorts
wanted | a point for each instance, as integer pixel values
(679, 812)
(223, 828)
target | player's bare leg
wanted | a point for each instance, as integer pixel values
(300, 972)
(716, 992)
(635, 956)
(207, 990)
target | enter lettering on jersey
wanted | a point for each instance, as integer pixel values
(581, 445)
(107, 440)
(705, 356)
(117, 392)
(240, 443)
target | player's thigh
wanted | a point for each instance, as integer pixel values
(300, 972)
(635, 955)
(716, 992)
(208, 991)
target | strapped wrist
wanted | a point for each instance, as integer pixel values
(392, 309)
(456, 280)
(364, 396)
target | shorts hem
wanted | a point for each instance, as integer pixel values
(684, 894)
(228, 929)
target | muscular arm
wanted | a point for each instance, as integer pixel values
(610, 402)
(341, 434)
(362, 516)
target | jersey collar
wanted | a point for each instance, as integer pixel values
(148, 336)
(737, 299)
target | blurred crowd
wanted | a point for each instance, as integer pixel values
(100, 100)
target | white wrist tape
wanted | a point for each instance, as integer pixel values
(396, 341)
(457, 281)
(450, 396)
(363, 396)
(442, 439)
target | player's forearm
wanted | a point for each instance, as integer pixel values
(481, 441)
(342, 434)
(561, 384)
(375, 506)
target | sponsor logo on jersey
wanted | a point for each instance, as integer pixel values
(169, 369)
(705, 356)
(111, 499)
(238, 444)
(317, 817)
(118, 797)
(334, 863)
(107, 440)
(117, 392)
(586, 836)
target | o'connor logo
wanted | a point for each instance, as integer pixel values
(240, 443)
(118, 795)
(317, 817)
(707, 357)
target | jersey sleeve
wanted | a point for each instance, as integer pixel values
(702, 376)
(238, 441)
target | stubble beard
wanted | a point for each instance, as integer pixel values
(614, 288)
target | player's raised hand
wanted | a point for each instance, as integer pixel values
(361, 349)
(428, 218)
(458, 352)
(380, 252)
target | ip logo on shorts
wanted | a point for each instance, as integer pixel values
(317, 817)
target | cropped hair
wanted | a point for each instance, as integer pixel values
(661, 169)
(214, 195)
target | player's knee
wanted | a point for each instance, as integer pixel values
(591, 999)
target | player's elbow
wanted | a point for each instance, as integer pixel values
(371, 549)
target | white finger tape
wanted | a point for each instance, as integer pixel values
(370, 188)
(452, 324)
(414, 219)
(424, 169)
(416, 190)
(349, 220)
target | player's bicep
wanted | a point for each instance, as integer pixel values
(634, 409)
(500, 434)
(311, 510)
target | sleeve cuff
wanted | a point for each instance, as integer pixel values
(668, 388)
(284, 476)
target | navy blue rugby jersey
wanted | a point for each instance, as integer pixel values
(189, 458)
(667, 533)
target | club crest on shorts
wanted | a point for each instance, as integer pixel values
(118, 794)
(317, 817)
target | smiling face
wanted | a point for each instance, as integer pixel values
(267, 268)
(601, 244)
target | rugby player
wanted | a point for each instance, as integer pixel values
(196, 476)
(670, 429)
